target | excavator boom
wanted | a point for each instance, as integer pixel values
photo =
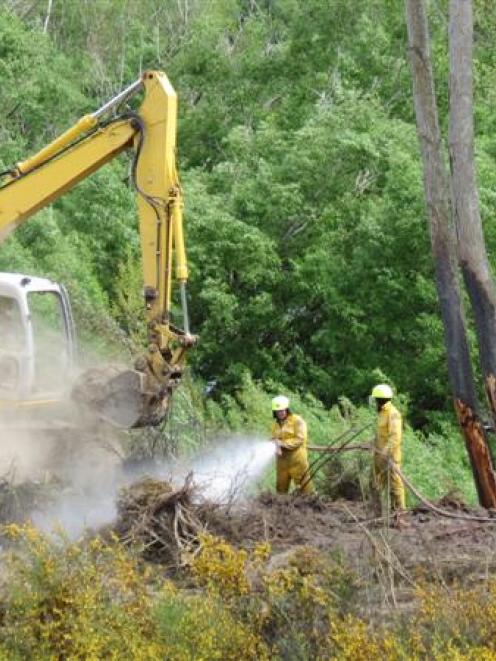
(136, 397)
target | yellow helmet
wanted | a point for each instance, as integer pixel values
(280, 403)
(382, 391)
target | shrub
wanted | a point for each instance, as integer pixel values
(78, 601)
(198, 626)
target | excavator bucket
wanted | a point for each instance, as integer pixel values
(120, 397)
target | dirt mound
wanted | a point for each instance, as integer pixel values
(388, 562)
(165, 521)
(435, 547)
(283, 521)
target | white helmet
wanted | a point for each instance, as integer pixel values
(280, 403)
(382, 391)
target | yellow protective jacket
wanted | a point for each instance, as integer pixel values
(389, 432)
(292, 464)
(292, 433)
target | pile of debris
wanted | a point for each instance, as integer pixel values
(164, 522)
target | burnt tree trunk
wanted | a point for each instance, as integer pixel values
(472, 253)
(443, 248)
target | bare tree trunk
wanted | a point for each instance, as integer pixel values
(443, 249)
(471, 246)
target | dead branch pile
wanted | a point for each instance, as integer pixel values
(162, 520)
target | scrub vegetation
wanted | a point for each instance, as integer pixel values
(311, 274)
(93, 600)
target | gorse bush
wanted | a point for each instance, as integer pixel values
(199, 626)
(94, 600)
(74, 601)
(302, 593)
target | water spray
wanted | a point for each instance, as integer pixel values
(229, 471)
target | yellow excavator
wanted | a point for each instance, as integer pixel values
(37, 337)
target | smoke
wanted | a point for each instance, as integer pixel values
(23, 457)
(79, 454)
(60, 449)
(92, 474)
(224, 473)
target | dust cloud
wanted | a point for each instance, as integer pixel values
(83, 458)
(76, 471)
(90, 472)
(22, 457)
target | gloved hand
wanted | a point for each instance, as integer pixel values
(277, 443)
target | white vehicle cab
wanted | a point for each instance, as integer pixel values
(37, 342)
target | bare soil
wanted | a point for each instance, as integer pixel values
(388, 562)
(454, 546)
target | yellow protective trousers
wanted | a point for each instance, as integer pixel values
(383, 477)
(293, 465)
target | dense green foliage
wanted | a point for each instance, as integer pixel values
(310, 258)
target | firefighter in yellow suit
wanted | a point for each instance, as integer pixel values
(388, 446)
(289, 433)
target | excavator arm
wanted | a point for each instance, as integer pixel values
(137, 397)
